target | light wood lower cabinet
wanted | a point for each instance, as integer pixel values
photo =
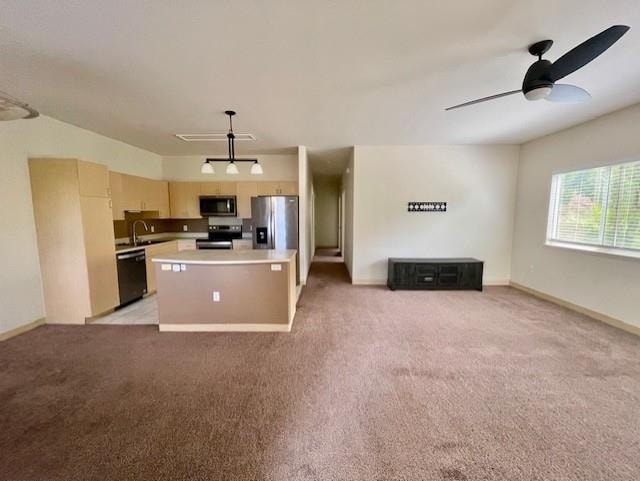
(155, 250)
(76, 242)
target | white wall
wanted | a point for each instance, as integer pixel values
(20, 281)
(478, 182)
(326, 202)
(348, 189)
(187, 168)
(305, 187)
(606, 284)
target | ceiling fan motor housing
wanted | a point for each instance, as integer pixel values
(537, 78)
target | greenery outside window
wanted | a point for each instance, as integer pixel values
(597, 207)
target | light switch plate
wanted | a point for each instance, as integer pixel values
(175, 267)
(153, 228)
(216, 296)
(183, 267)
(185, 227)
(165, 267)
(276, 267)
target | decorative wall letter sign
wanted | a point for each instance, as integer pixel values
(427, 207)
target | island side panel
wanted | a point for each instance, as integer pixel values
(249, 294)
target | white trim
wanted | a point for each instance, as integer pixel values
(612, 321)
(225, 327)
(21, 329)
(609, 251)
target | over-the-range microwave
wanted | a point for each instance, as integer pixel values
(218, 205)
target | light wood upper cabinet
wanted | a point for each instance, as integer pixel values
(184, 199)
(135, 193)
(245, 190)
(288, 188)
(277, 188)
(117, 195)
(228, 188)
(93, 179)
(217, 188)
(267, 188)
(155, 196)
(209, 188)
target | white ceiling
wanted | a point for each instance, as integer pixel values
(326, 74)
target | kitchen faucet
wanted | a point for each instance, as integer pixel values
(146, 229)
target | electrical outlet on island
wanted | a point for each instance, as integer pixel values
(185, 227)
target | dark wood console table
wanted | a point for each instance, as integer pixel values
(444, 273)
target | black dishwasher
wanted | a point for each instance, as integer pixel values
(132, 276)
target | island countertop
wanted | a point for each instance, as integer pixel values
(222, 257)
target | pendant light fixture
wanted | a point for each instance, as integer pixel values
(207, 168)
(256, 169)
(232, 168)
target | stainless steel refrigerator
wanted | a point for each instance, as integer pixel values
(274, 220)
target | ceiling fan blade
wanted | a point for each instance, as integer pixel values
(484, 99)
(584, 53)
(568, 94)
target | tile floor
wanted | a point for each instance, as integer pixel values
(144, 311)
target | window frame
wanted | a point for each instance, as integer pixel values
(552, 215)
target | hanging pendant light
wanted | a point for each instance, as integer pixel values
(256, 168)
(232, 167)
(207, 168)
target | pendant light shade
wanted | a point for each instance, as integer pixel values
(256, 168)
(207, 168)
(232, 168)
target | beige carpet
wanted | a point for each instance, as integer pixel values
(370, 385)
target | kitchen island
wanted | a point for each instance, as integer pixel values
(226, 290)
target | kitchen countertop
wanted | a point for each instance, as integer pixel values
(221, 257)
(120, 248)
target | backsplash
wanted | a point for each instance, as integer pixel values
(123, 228)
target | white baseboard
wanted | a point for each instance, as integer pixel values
(612, 321)
(21, 329)
(496, 282)
(225, 327)
(369, 282)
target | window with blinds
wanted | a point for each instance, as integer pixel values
(597, 207)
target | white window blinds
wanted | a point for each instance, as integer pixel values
(597, 207)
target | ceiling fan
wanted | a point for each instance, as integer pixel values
(12, 109)
(540, 80)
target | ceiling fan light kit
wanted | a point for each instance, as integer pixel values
(232, 168)
(12, 109)
(541, 77)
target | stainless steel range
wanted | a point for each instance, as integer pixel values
(220, 237)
